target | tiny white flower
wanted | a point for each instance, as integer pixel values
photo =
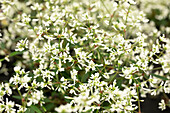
(17, 69)
(162, 105)
(9, 105)
(73, 75)
(21, 45)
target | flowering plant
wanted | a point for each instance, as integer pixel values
(81, 56)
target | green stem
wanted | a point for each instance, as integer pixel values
(138, 100)
(20, 95)
(105, 7)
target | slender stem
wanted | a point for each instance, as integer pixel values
(20, 95)
(126, 22)
(127, 15)
(105, 7)
(111, 17)
(138, 100)
(113, 77)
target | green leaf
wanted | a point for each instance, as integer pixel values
(36, 109)
(44, 108)
(98, 54)
(84, 77)
(120, 81)
(2, 59)
(15, 53)
(12, 54)
(17, 97)
(17, 39)
(29, 110)
(161, 77)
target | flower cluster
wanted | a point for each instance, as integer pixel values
(82, 56)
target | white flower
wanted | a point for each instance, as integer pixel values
(26, 18)
(9, 106)
(64, 108)
(17, 69)
(162, 105)
(72, 91)
(99, 39)
(92, 65)
(37, 6)
(35, 97)
(21, 45)
(24, 81)
(73, 75)
(7, 58)
(59, 66)
(21, 109)
(7, 88)
(167, 87)
(106, 75)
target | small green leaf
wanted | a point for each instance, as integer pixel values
(17, 97)
(12, 54)
(29, 110)
(36, 109)
(161, 77)
(15, 53)
(2, 59)
(44, 108)
(84, 77)
(98, 53)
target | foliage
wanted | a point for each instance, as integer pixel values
(83, 55)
